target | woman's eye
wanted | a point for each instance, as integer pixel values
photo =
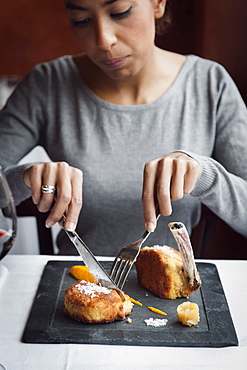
(82, 23)
(122, 15)
(86, 21)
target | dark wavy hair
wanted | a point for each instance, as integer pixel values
(163, 24)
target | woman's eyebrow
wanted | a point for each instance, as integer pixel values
(109, 2)
(72, 6)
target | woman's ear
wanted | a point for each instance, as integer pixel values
(159, 10)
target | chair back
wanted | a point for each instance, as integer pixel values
(28, 209)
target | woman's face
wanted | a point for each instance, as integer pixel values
(116, 35)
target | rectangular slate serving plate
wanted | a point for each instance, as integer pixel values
(49, 324)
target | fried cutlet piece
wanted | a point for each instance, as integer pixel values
(166, 272)
(92, 303)
(160, 270)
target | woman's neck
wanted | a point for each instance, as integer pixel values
(148, 85)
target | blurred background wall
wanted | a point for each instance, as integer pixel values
(213, 29)
(33, 31)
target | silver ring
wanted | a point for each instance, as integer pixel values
(48, 189)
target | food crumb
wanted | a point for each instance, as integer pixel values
(129, 320)
(156, 322)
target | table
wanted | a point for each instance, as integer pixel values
(18, 291)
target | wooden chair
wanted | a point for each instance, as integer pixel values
(28, 209)
(213, 238)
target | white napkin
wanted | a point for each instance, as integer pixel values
(3, 274)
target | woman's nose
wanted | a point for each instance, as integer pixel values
(105, 36)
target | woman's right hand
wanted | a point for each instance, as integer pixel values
(68, 182)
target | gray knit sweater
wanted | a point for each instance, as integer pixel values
(201, 114)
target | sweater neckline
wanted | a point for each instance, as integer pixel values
(90, 93)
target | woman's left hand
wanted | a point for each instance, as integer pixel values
(167, 178)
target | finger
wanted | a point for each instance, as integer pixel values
(177, 182)
(191, 176)
(48, 178)
(69, 197)
(76, 201)
(165, 171)
(148, 195)
(63, 193)
(35, 181)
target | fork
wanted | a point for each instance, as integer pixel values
(125, 259)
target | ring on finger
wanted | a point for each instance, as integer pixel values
(48, 189)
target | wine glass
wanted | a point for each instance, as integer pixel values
(8, 219)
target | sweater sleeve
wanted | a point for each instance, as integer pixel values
(222, 185)
(21, 122)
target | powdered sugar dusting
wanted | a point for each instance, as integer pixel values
(165, 248)
(160, 247)
(156, 322)
(91, 289)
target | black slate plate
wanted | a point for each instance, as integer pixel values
(49, 324)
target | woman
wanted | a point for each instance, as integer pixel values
(133, 119)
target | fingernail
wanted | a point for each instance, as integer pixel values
(70, 226)
(49, 224)
(150, 226)
(35, 201)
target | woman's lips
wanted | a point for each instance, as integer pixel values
(114, 63)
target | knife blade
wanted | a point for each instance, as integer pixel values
(99, 273)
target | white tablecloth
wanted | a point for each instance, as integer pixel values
(18, 291)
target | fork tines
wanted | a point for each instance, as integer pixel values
(120, 271)
(125, 259)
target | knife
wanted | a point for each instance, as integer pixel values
(99, 273)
